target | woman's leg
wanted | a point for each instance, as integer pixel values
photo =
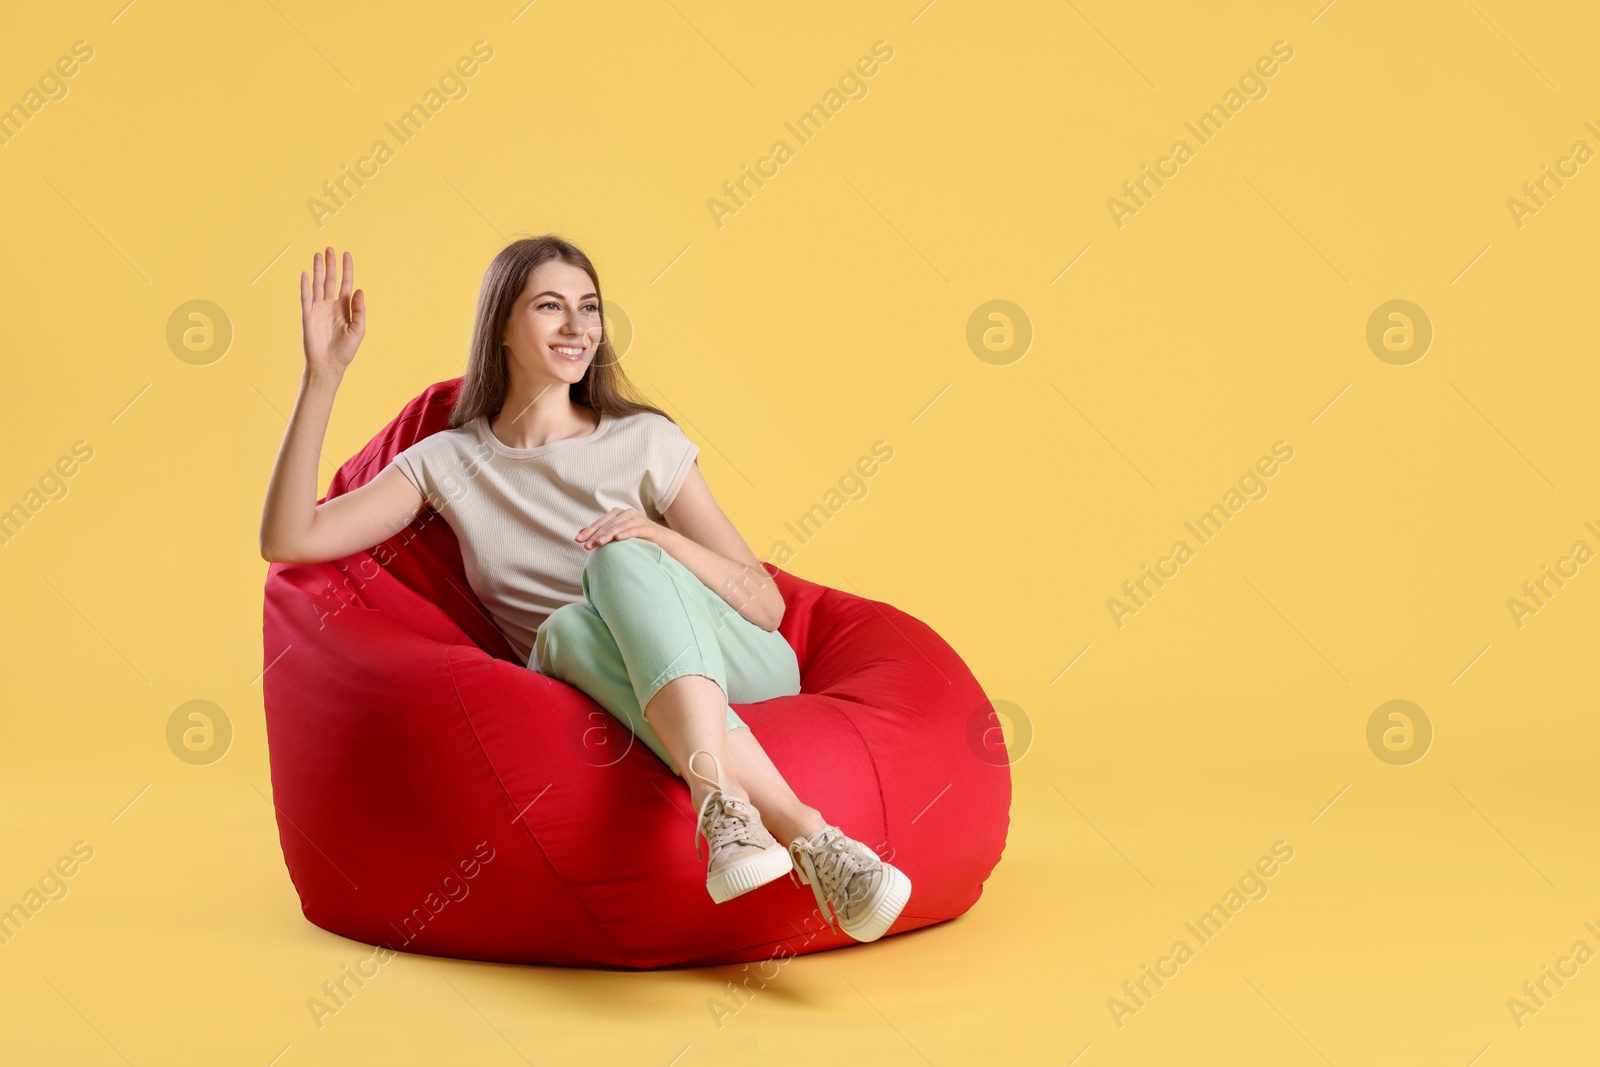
(677, 629)
(681, 718)
(688, 714)
(668, 635)
(576, 646)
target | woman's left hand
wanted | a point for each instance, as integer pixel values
(616, 524)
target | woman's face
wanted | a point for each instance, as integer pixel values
(554, 328)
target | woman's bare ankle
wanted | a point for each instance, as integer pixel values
(801, 822)
(698, 791)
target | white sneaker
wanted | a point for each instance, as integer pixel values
(850, 882)
(744, 856)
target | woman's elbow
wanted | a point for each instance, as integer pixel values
(775, 610)
(273, 552)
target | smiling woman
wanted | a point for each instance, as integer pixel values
(596, 546)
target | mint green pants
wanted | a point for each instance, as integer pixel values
(645, 620)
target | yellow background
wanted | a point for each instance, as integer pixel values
(829, 312)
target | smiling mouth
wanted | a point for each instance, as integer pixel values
(570, 353)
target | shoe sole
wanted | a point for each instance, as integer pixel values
(773, 863)
(896, 891)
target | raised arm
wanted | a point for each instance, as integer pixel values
(294, 528)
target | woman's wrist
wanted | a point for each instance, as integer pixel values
(321, 378)
(666, 537)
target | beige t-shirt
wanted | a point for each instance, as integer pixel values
(515, 511)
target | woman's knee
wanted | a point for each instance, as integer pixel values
(569, 630)
(620, 557)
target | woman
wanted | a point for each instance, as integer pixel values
(590, 535)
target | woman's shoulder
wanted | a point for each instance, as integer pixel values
(656, 442)
(647, 425)
(445, 446)
(447, 438)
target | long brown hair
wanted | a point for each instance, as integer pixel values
(604, 386)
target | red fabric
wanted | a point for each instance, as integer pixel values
(436, 796)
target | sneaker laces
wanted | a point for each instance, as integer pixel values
(724, 821)
(829, 868)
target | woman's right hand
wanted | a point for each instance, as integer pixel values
(332, 320)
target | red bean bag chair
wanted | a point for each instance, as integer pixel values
(435, 795)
